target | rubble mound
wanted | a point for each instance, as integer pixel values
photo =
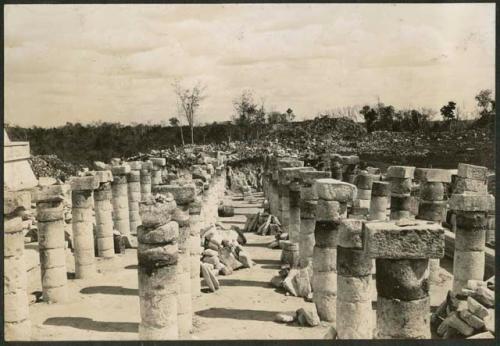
(52, 166)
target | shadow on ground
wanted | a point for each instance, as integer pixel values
(247, 283)
(89, 324)
(238, 314)
(118, 290)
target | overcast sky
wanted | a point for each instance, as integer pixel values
(70, 63)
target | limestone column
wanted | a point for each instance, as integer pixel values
(146, 168)
(119, 188)
(400, 178)
(195, 252)
(471, 179)
(308, 202)
(273, 188)
(50, 222)
(379, 202)
(331, 194)
(432, 206)
(364, 183)
(289, 180)
(336, 166)
(157, 254)
(354, 304)
(402, 250)
(103, 215)
(82, 221)
(351, 164)
(17, 325)
(183, 196)
(158, 164)
(471, 221)
(134, 195)
(284, 192)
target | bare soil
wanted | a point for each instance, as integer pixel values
(107, 307)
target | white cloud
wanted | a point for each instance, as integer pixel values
(117, 62)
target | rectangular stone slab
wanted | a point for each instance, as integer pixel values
(471, 202)
(51, 193)
(120, 170)
(182, 194)
(90, 182)
(400, 172)
(335, 190)
(410, 239)
(434, 175)
(472, 171)
(158, 161)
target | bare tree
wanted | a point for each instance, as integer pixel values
(189, 101)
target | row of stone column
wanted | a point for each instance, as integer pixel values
(402, 248)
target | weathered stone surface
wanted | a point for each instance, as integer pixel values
(364, 181)
(353, 262)
(476, 308)
(283, 163)
(104, 176)
(184, 194)
(408, 239)
(400, 172)
(51, 193)
(469, 241)
(325, 233)
(432, 211)
(464, 202)
(354, 288)
(400, 185)
(433, 175)
(120, 169)
(468, 265)
(463, 185)
(327, 210)
(147, 165)
(381, 189)
(155, 215)
(158, 161)
(398, 319)
(90, 182)
(135, 165)
(402, 279)
(134, 177)
(400, 202)
(16, 201)
(471, 221)
(164, 234)
(432, 191)
(309, 177)
(472, 171)
(335, 190)
(289, 174)
(350, 233)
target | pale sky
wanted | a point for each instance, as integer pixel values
(116, 63)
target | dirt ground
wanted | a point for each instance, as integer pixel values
(107, 307)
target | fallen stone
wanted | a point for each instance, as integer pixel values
(331, 334)
(476, 308)
(301, 283)
(455, 322)
(285, 317)
(277, 281)
(471, 319)
(308, 317)
(484, 335)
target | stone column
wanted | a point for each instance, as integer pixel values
(402, 250)
(157, 254)
(354, 303)
(146, 168)
(195, 253)
(471, 221)
(308, 202)
(50, 221)
(134, 195)
(158, 164)
(471, 179)
(17, 326)
(364, 183)
(82, 221)
(119, 189)
(351, 164)
(379, 203)
(103, 215)
(284, 192)
(183, 196)
(289, 180)
(331, 194)
(400, 178)
(336, 166)
(432, 206)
